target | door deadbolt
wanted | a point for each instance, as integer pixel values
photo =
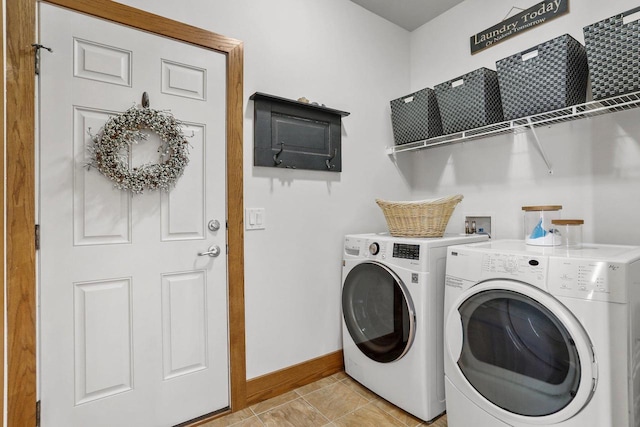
(214, 225)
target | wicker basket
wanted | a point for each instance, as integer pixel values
(424, 218)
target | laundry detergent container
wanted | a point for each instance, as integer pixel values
(613, 54)
(415, 117)
(469, 101)
(549, 76)
(538, 227)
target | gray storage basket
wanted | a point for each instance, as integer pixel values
(469, 101)
(613, 54)
(415, 117)
(547, 77)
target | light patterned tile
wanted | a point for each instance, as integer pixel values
(406, 418)
(297, 413)
(350, 396)
(231, 419)
(438, 422)
(368, 416)
(309, 388)
(359, 388)
(249, 422)
(335, 400)
(261, 407)
(340, 375)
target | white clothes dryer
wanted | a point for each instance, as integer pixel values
(392, 305)
(542, 336)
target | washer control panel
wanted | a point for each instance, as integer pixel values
(367, 248)
(588, 279)
(374, 248)
(353, 246)
(406, 251)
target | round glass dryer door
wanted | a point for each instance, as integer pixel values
(518, 354)
(378, 312)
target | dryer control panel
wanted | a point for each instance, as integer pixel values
(521, 267)
(588, 279)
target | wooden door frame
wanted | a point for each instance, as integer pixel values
(19, 207)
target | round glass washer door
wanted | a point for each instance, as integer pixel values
(378, 312)
(523, 354)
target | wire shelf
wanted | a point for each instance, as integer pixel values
(575, 112)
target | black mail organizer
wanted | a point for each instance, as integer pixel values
(296, 135)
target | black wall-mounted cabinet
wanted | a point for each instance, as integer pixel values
(296, 135)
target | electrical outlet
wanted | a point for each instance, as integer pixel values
(479, 224)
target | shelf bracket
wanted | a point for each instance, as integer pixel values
(540, 149)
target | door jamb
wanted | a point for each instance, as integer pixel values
(19, 206)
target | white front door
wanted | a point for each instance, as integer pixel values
(133, 322)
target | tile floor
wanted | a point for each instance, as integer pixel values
(335, 401)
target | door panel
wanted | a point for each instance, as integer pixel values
(102, 325)
(133, 322)
(107, 64)
(183, 213)
(184, 317)
(97, 220)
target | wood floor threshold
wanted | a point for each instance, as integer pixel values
(279, 382)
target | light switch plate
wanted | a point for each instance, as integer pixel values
(254, 219)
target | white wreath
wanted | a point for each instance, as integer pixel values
(111, 147)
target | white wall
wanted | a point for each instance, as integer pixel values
(595, 162)
(336, 53)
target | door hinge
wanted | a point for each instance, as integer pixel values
(38, 413)
(36, 60)
(37, 236)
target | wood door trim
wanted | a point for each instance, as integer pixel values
(4, 212)
(20, 281)
(20, 212)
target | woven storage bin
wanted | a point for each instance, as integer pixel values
(547, 77)
(415, 117)
(613, 55)
(470, 101)
(425, 218)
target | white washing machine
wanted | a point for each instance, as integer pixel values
(539, 336)
(392, 304)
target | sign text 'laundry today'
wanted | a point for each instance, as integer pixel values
(532, 17)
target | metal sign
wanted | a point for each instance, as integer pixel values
(539, 14)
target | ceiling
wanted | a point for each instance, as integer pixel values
(408, 14)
